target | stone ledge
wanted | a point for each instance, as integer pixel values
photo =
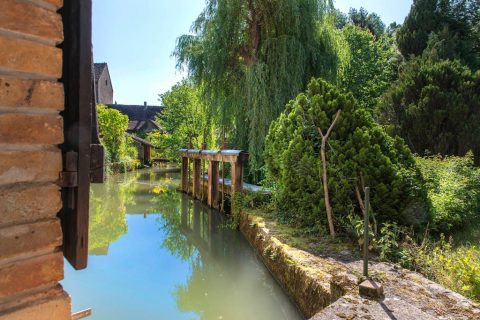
(25, 275)
(325, 288)
(49, 304)
(312, 282)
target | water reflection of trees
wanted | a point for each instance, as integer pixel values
(108, 203)
(224, 271)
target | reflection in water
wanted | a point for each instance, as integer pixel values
(176, 259)
(107, 214)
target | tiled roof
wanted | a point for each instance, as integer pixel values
(138, 112)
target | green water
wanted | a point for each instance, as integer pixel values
(156, 254)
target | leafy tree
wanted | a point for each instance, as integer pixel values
(435, 107)
(112, 125)
(360, 154)
(251, 57)
(368, 21)
(184, 120)
(372, 67)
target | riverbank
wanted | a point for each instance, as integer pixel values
(326, 286)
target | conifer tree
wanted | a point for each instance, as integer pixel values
(359, 154)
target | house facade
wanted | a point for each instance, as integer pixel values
(103, 84)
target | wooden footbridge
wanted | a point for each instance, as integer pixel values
(212, 187)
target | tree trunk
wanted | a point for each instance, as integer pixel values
(328, 207)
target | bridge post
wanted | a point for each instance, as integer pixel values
(213, 184)
(185, 174)
(237, 177)
(197, 183)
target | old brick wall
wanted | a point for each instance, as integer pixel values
(31, 128)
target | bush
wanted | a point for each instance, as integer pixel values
(453, 185)
(359, 153)
(455, 268)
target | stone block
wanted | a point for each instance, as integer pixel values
(17, 55)
(26, 238)
(35, 166)
(22, 203)
(56, 307)
(23, 93)
(31, 129)
(41, 23)
(24, 275)
(371, 289)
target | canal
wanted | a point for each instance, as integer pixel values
(156, 254)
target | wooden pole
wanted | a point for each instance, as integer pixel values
(197, 166)
(365, 232)
(237, 177)
(185, 174)
(213, 184)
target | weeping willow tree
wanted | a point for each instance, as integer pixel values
(253, 56)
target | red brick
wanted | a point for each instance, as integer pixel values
(22, 93)
(42, 23)
(37, 167)
(24, 275)
(30, 57)
(26, 238)
(18, 128)
(22, 203)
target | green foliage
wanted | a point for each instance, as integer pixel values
(435, 107)
(446, 26)
(372, 67)
(359, 153)
(368, 21)
(455, 268)
(184, 120)
(119, 148)
(453, 185)
(251, 57)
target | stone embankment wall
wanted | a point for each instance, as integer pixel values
(31, 128)
(325, 288)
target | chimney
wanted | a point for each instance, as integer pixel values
(145, 103)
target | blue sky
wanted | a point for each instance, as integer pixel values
(136, 38)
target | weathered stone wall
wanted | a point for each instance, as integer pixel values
(104, 88)
(31, 128)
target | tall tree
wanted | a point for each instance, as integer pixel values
(447, 27)
(369, 21)
(435, 107)
(252, 57)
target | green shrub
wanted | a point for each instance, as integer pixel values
(455, 268)
(359, 153)
(453, 185)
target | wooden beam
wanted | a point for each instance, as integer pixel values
(237, 177)
(82, 314)
(185, 174)
(213, 184)
(197, 168)
(231, 156)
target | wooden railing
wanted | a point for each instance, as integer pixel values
(236, 158)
